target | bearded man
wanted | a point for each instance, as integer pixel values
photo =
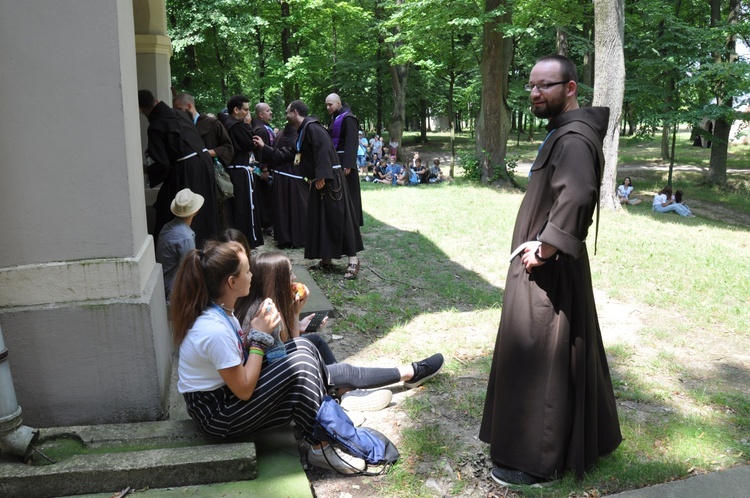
(550, 405)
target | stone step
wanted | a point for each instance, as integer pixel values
(108, 472)
(139, 455)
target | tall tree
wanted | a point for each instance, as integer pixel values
(609, 74)
(717, 169)
(399, 71)
(493, 123)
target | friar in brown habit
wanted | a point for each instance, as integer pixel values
(550, 405)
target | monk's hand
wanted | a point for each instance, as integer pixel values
(347, 170)
(258, 141)
(536, 255)
(319, 184)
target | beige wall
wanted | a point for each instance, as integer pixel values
(81, 298)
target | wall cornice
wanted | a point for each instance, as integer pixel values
(153, 44)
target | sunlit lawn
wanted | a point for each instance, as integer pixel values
(439, 254)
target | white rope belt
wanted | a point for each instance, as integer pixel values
(277, 172)
(250, 192)
(190, 155)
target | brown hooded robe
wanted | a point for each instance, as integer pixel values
(550, 403)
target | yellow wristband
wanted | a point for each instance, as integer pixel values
(256, 351)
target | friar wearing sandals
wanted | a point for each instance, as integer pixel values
(332, 228)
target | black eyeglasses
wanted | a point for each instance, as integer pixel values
(542, 87)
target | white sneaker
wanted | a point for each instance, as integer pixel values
(336, 460)
(366, 401)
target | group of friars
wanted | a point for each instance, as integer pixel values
(300, 185)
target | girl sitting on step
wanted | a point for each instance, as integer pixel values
(229, 389)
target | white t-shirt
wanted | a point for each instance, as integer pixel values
(659, 199)
(210, 346)
(624, 191)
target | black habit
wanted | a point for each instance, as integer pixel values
(216, 138)
(346, 139)
(264, 187)
(550, 405)
(290, 191)
(332, 230)
(176, 149)
(244, 208)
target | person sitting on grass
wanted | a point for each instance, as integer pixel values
(229, 388)
(381, 173)
(624, 192)
(436, 174)
(420, 170)
(394, 169)
(664, 203)
(407, 176)
(677, 197)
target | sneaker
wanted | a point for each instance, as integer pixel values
(357, 418)
(366, 401)
(424, 370)
(512, 477)
(338, 461)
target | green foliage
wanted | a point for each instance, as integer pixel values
(472, 166)
(676, 62)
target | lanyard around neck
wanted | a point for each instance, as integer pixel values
(231, 326)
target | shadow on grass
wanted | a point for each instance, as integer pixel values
(403, 275)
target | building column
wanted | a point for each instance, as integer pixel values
(81, 298)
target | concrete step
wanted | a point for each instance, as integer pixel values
(105, 472)
(140, 455)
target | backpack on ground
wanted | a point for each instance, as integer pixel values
(334, 426)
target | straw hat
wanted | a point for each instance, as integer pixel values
(186, 203)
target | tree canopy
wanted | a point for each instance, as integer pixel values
(400, 62)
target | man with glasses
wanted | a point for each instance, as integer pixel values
(550, 405)
(244, 208)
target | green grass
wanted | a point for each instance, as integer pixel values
(433, 277)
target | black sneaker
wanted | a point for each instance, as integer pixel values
(512, 477)
(425, 370)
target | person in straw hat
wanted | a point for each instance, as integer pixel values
(176, 237)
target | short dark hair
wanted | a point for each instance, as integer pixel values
(146, 99)
(235, 102)
(300, 107)
(568, 71)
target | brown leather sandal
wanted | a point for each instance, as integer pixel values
(352, 271)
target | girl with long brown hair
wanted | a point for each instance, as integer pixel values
(228, 388)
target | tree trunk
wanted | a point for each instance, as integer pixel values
(717, 166)
(493, 123)
(609, 73)
(452, 116)
(399, 73)
(261, 64)
(664, 147)
(397, 122)
(562, 41)
(589, 59)
(286, 50)
(422, 120)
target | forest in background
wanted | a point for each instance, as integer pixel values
(400, 62)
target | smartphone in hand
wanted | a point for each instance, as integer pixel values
(316, 321)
